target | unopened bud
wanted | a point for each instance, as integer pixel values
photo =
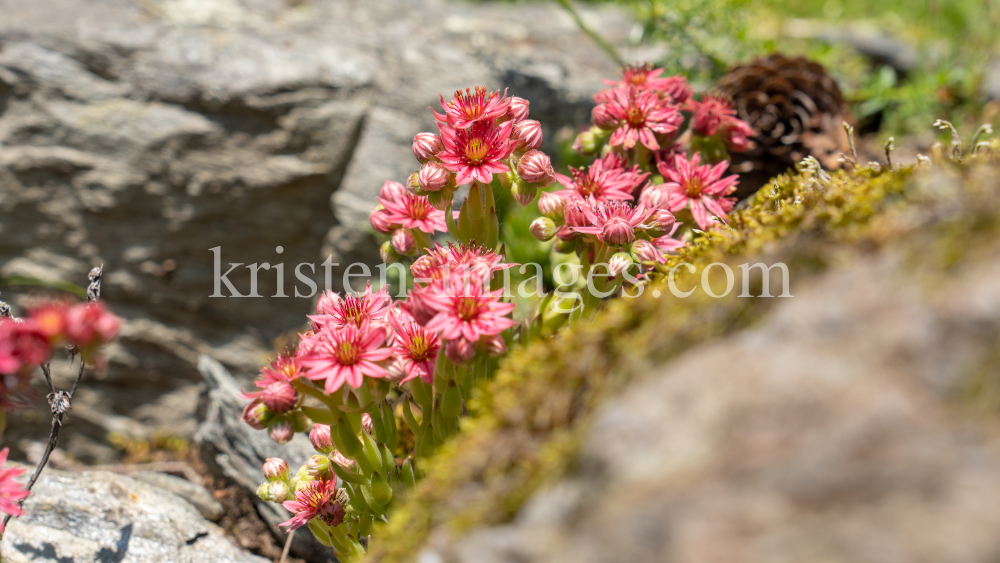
(602, 117)
(643, 251)
(586, 142)
(403, 241)
(426, 146)
(395, 371)
(433, 176)
(551, 205)
(275, 469)
(381, 222)
(441, 200)
(542, 229)
(257, 415)
(392, 190)
(524, 192)
(280, 430)
(661, 222)
(619, 263)
(508, 178)
(528, 134)
(273, 491)
(366, 422)
(300, 421)
(341, 460)
(575, 213)
(413, 184)
(318, 467)
(280, 396)
(388, 253)
(518, 109)
(320, 438)
(459, 350)
(536, 167)
(654, 197)
(494, 345)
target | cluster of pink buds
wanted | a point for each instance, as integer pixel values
(29, 342)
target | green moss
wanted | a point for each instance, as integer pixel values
(526, 425)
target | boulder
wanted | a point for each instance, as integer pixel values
(142, 135)
(98, 517)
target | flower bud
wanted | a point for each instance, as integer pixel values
(381, 222)
(426, 146)
(280, 429)
(575, 215)
(318, 467)
(388, 253)
(618, 232)
(341, 460)
(300, 421)
(279, 396)
(320, 438)
(518, 109)
(654, 197)
(564, 246)
(392, 190)
(661, 221)
(413, 184)
(366, 423)
(273, 491)
(403, 241)
(257, 415)
(551, 205)
(619, 263)
(542, 229)
(528, 134)
(524, 192)
(603, 118)
(643, 251)
(535, 167)
(275, 469)
(586, 142)
(433, 176)
(441, 200)
(493, 345)
(459, 350)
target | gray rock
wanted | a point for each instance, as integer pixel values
(195, 494)
(234, 450)
(830, 431)
(97, 517)
(141, 135)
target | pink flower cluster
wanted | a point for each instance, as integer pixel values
(369, 335)
(27, 343)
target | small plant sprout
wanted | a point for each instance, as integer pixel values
(956, 141)
(889, 147)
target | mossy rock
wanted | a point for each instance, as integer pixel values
(528, 425)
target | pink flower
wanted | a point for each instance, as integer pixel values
(459, 350)
(601, 181)
(285, 367)
(667, 243)
(467, 310)
(380, 221)
(346, 355)
(709, 114)
(644, 77)
(643, 116)
(315, 500)
(471, 107)
(460, 259)
(476, 153)
(22, 346)
(89, 324)
(277, 396)
(735, 134)
(615, 222)
(11, 492)
(417, 348)
(702, 189)
(413, 212)
(356, 310)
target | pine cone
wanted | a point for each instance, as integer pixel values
(796, 109)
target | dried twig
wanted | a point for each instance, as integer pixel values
(60, 401)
